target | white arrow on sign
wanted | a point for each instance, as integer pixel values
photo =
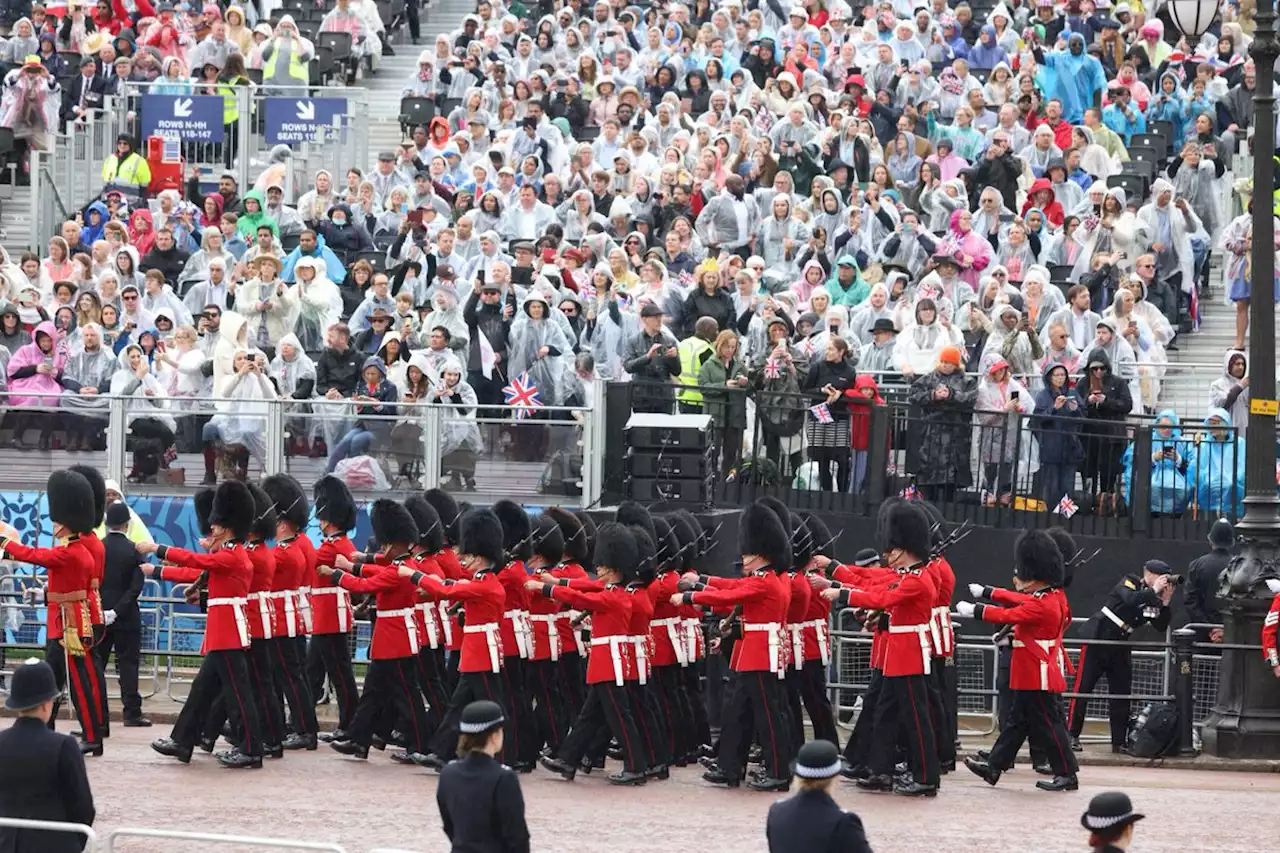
(182, 108)
(306, 110)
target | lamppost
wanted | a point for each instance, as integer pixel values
(1245, 721)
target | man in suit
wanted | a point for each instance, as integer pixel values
(42, 775)
(83, 94)
(120, 589)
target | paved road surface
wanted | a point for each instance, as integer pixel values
(364, 805)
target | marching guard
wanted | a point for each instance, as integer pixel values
(546, 686)
(97, 616)
(332, 620)
(517, 542)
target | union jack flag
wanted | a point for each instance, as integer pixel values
(911, 493)
(685, 279)
(1066, 507)
(772, 370)
(523, 395)
(807, 346)
(821, 414)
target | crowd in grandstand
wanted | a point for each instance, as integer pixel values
(1002, 212)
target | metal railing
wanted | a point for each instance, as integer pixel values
(251, 841)
(91, 838)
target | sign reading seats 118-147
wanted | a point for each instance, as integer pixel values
(291, 121)
(189, 118)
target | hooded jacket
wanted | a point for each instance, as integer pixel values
(1052, 210)
(860, 409)
(1058, 429)
(384, 392)
(1116, 400)
(1227, 393)
(26, 383)
(248, 223)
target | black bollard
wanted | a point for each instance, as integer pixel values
(1184, 687)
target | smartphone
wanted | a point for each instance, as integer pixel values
(835, 330)
(1013, 395)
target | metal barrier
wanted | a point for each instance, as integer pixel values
(110, 839)
(91, 838)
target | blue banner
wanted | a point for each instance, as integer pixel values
(189, 118)
(289, 121)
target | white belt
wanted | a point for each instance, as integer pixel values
(819, 627)
(775, 646)
(553, 633)
(577, 634)
(344, 604)
(237, 606)
(522, 631)
(615, 644)
(692, 633)
(290, 615)
(940, 625)
(1047, 645)
(926, 651)
(445, 624)
(1120, 623)
(492, 634)
(675, 632)
(640, 642)
(303, 594)
(410, 625)
(429, 623)
(264, 610)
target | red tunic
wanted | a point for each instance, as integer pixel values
(797, 616)
(941, 634)
(866, 577)
(450, 569)
(817, 639)
(395, 631)
(543, 617)
(1037, 618)
(765, 597)
(262, 617)
(99, 552)
(668, 629)
(330, 604)
(230, 574)
(610, 609)
(641, 642)
(570, 637)
(291, 570)
(482, 598)
(303, 543)
(515, 610)
(1269, 633)
(70, 568)
(908, 598)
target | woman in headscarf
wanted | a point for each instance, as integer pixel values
(1019, 252)
(295, 376)
(460, 440)
(315, 204)
(1040, 298)
(1041, 151)
(1171, 458)
(151, 428)
(1218, 467)
(1169, 103)
(33, 372)
(446, 313)
(918, 347)
(903, 162)
(1001, 441)
(86, 380)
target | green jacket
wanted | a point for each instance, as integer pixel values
(727, 408)
(247, 224)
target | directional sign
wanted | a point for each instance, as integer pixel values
(293, 120)
(190, 118)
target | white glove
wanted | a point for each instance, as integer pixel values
(966, 608)
(109, 617)
(975, 589)
(1273, 585)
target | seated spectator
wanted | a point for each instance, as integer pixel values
(295, 376)
(377, 296)
(375, 411)
(460, 440)
(394, 356)
(197, 267)
(239, 427)
(34, 371)
(166, 257)
(86, 381)
(311, 245)
(151, 428)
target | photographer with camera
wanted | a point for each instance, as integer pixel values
(1135, 601)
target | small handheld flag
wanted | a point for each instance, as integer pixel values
(523, 395)
(1066, 507)
(821, 414)
(772, 370)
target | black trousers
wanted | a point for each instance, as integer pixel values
(857, 752)
(127, 644)
(98, 676)
(520, 730)
(550, 702)
(431, 668)
(653, 734)
(291, 685)
(902, 716)
(78, 672)
(675, 717)
(754, 706)
(942, 725)
(1035, 714)
(606, 711)
(694, 688)
(573, 678)
(1116, 663)
(391, 692)
(330, 655)
(472, 686)
(808, 686)
(223, 676)
(262, 694)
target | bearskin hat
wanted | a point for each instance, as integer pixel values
(289, 499)
(233, 508)
(589, 529)
(789, 521)
(99, 486)
(430, 532)
(686, 537)
(903, 525)
(548, 540)
(577, 549)
(1037, 558)
(632, 513)
(1067, 547)
(392, 523)
(334, 503)
(820, 539)
(481, 536)
(264, 514)
(71, 501)
(203, 504)
(703, 542)
(517, 529)
(616, 548)
(646, 556)
(448, 511)
(761, 532)
(668, 544)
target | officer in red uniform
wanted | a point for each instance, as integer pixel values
(1036, 610)
(293, 570)
(447, 559)
(903, 531)
(755, 693)
(810, 673)
(70, 568)
(867, 570)
(572, 662)
(97, 616)
(331, 617)
(941, 641)
(225, 669)
(517, 541)
(607, 709)
(546, 685)
(482, 597)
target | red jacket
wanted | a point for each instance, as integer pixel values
(262, 616)
(1269, 633)
(303, 543)
(817, 639)
(230, 574)
(291, 571)
(866, 577)
(70, 569)
(942, 635)
(395, 631)
(515, 610)
(330, 603)
(667, 627)
(570, 637)
(765, 597)
(424, 605)
(1037, 620)
(99, 551)
(610, 609)
(641, 642)
(908, 598)
(482, 598)
(797, 613)
(860, 410)
(450, 569)
(544, 614)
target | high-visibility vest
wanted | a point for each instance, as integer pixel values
(133, 172)
(691, 350)
(230, 103)
(297, 68)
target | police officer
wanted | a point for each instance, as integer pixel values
(810, 821)
(42, 775)
(121, 585)
(481, 807)
(1134, 602)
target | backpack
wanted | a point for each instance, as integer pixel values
(1153, 733)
